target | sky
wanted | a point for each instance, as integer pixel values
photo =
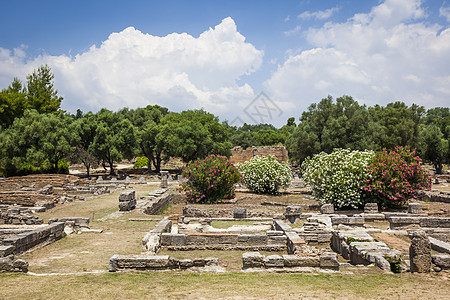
(244, 61)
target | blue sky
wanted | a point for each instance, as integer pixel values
(219, 55)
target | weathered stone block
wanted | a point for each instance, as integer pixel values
(6, 263)
(199, 262)
(414, 208)
(273, 261)
(240, 212)
(329, 261)
(6, 250)
(441, 260)
(20, 265)
(194, 212)
(127, 196)
(382, 263)
(186, 263)
(371, 208)
(420, 252)
(78, 221)
(293, 210)
(252, 260)
(439, 246)
(211, 261)
(327, 209)
(301, 261)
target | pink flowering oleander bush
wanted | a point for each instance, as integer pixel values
(209, 180)
(394, 177)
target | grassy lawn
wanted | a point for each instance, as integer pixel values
(183, 285)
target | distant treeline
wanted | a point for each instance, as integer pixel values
(37, 136)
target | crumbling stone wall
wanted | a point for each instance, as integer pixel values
(240, 155)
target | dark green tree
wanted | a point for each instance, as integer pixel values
(328, 125)
(399, 124)
(193, 134)
(35, 143)
(84, 129)
(147, 123)
(40, 91)
(433, 146)
(115, 138)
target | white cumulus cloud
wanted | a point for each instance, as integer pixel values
(134, 69)
(386, 55)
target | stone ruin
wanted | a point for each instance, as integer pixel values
(238, 155)
(346, 234)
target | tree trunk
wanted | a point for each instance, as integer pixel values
(149, 164)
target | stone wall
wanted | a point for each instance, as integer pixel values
(158, 204)
(38, 181)
(272, 241)
(239, 155)
(19, 243)
(254, 260)
(157, 262)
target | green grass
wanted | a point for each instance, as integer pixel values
(183, 285)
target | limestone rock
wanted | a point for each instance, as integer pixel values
(420, 252)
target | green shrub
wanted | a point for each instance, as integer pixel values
(336, 178)
(395, 176)
(141, 162)
(209, 180)
(265, 175)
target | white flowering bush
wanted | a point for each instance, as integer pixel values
(337, 178)
(265, 175)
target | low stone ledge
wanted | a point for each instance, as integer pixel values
(439, 246)
(6, 250)
(254, 260)
(349, 221)
(29, 239)
(79, 222)
(396, 222)
(156, 262)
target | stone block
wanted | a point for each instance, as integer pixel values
(194, 212)
(327, 209)
(274, 233)
(329, 261)
(6, 263)
(199, 262)
(439, 246)
(252, 260)
(371, 208)
(211, 261)
(6, 250)
(301, 261)
(277, 240)
(78, 221)
(240, 212)
(20, 265)
(414, 208)
(273, 261)
(282, 226)
(186, 263)
(441, 260)
(382, 263)
(420, 252)
(127, 196)
(143, 262)
(151, 242)
(293, 210)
